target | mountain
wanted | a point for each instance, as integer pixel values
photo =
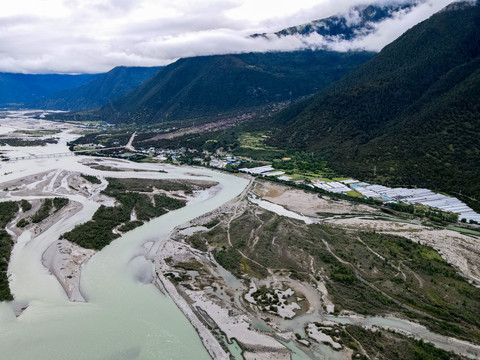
(359, 21)
(209, 87)
(97, 92)
(412, 111)
(18, 89)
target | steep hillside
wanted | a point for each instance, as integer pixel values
(212, 86)
(22, 88)
(99, 91)
(412, 111)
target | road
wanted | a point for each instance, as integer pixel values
(129, 146)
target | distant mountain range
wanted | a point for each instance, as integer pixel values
(359, 21)
(209, 87)
(18, 89)
(97, 92)
(412, 111)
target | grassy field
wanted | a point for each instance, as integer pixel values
(356, 194)
(391, 345)
(365, 272)
(255, 140)
(82, 148)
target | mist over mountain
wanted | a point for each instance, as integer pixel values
(97, 92)
(360, 20)
(412, 111)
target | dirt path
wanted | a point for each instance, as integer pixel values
(129, 146)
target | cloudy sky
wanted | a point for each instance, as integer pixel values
(78, 36)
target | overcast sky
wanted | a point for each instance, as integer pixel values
(78, 36)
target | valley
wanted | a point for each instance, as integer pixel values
(273, 272)
(240, 180)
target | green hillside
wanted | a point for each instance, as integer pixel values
(413, 111)
(97, 92)
(215, 86)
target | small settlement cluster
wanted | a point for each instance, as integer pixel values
(408, 196)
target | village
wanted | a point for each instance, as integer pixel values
(225, 160)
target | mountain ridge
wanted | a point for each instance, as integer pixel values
(97, 92)
(218, 85)
(18, 89)
(358, 21)
(377, 115)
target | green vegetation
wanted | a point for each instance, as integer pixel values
(105, 168)
(212, 223)
(168, 202)
(367, 272)
(91, 179)
(6, 245)
(148, 185)
(198, 243)
(48, 207)
(8, 210)
(224, 86)
(130, 225)
(25, 205)
(190, 265)
(37, 132)
(421, 211)
(43, 212)
(130, 194)
(97, 233)
(22, 223)
(111, 140)
(414, 275)
(230, 259)
(254, 141)
(24, 88)
(391, 345)
(421, 133)
(97, 92)
(22, 142)
(59, 203)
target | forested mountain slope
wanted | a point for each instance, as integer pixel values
(18, 89)
(412, 111)
(99, 91)
(207, 87)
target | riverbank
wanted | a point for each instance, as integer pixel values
(125, 316)
(219, 299)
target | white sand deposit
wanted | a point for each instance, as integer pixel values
(318, 335)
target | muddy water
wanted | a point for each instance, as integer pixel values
(125, 317)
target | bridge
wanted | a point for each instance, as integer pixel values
(62, 154)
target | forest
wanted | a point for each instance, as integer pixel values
(132, 197)
(8, 211)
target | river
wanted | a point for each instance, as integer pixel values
(124, 318)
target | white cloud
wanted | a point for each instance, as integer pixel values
(70, 36)
(390, 29)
